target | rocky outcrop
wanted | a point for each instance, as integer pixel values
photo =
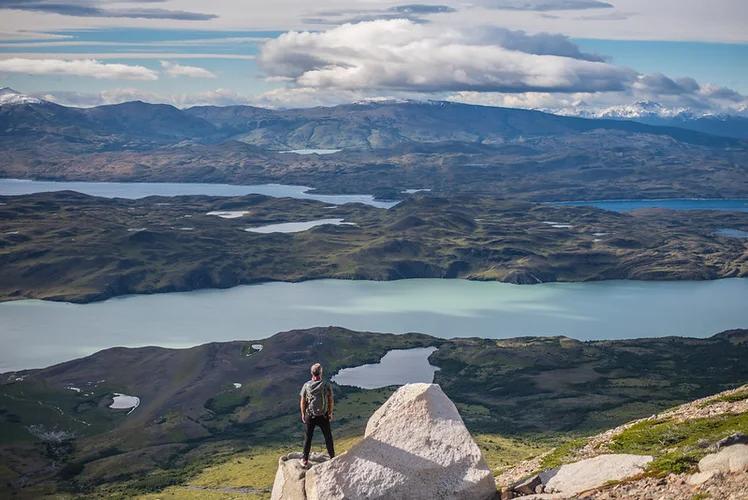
(723, 473)
(290, 479)
(593, 472)
(416, 446)
(571, 479)
(730, 459)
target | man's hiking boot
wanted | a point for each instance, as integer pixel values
(304, 463)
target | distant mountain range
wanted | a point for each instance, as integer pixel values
(654, 113)
(451, 148)
(239, 119)
(366, 125)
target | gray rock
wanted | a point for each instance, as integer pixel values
(730, 459)
(290, 479)
(527, 486)
(592, 473)
(416, 446)
(737, 438)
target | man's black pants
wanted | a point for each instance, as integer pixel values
(324, 423)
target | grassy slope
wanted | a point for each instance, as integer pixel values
(75, 247)
(677, 438)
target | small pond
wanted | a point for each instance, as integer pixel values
(732, 233)
(297, 227)
(398, 367)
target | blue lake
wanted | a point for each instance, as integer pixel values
(35, 333)
(135, 190)
(398, 367)
(627, 205)
(732, 233)
(313, 151)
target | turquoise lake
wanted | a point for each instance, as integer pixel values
(136, 190)
(36, 333)
(627, 205)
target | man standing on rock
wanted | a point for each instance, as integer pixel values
(316, 410)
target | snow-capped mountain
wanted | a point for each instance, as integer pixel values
(637, 110)
(734, 124)
(9, 97)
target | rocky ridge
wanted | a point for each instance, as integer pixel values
(723, 473)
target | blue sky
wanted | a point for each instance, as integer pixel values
(725, 64)
(529, 53)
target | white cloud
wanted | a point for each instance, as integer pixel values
(403, 55)
(123, 55)
(175, 69)
(307, 97)
(544, 5)
(65, 41)
(31, 35)
(673, 95)
(677, 20)
(217, 97)
(276, 98)
(80, 67)
(707, 99)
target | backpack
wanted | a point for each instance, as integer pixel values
(316, 393)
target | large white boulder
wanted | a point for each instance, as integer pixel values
(415, 446)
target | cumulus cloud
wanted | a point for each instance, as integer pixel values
(546, 44)
(80, 67)
(92, 9)
(673, 97)
(403, 55)
(543, 5)
(175, 69)
(659, 84)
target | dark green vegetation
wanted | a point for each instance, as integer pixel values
(686, 442)
(191, 416)
(561, 384)
(677, 446)
(447, 147)
(75, 247)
